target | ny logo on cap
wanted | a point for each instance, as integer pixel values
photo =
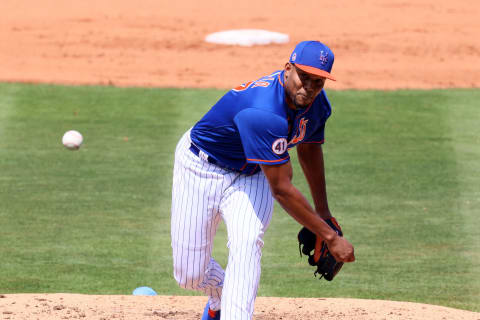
(294, 56)
(323, 57)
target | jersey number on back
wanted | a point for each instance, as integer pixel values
(253, 84)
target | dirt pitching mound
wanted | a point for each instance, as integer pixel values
(98, 307)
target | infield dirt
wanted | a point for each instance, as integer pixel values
(75, 306)
(378, 44)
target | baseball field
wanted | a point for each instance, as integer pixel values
(80, 230)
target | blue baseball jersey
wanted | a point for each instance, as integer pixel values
(252, 124)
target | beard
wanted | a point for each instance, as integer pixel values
(301, 105)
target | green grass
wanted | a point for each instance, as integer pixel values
(403, 180)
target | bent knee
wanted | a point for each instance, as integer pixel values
(250, 243)
(190, 281)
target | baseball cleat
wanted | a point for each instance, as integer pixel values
(210, 314)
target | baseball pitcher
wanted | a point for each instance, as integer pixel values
(231, 166)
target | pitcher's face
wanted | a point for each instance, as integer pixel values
(301, 87)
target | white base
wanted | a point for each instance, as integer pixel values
(247, 37)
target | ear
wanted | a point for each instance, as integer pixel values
(288, 69)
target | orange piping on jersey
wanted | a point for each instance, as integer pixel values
(255, 168)
(311, 104)
(261, 160)
(280, 79)
(244, 166)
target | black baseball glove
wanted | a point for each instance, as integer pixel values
(318, 253)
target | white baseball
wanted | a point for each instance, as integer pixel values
(72, 140)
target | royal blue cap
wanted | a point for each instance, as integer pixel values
(313, 57)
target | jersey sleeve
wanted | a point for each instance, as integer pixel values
(263, 135)
(318, 136)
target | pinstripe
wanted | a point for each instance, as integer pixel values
(251, 279)
(202, 260)
(185, 165)
(240, 272)
(203, 194)
(247, 214)
(187, 230)
(183, 176)
(215, 297)
(268, 209)
(190, 207)
(248, 275)
(192, 232)
(184, 203)
(192, 246)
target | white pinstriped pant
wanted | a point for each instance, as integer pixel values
(202, 194)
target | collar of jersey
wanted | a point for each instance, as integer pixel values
(280, 77)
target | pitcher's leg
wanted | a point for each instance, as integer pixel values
(195, 216)
(214, 277)
(247, 212)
